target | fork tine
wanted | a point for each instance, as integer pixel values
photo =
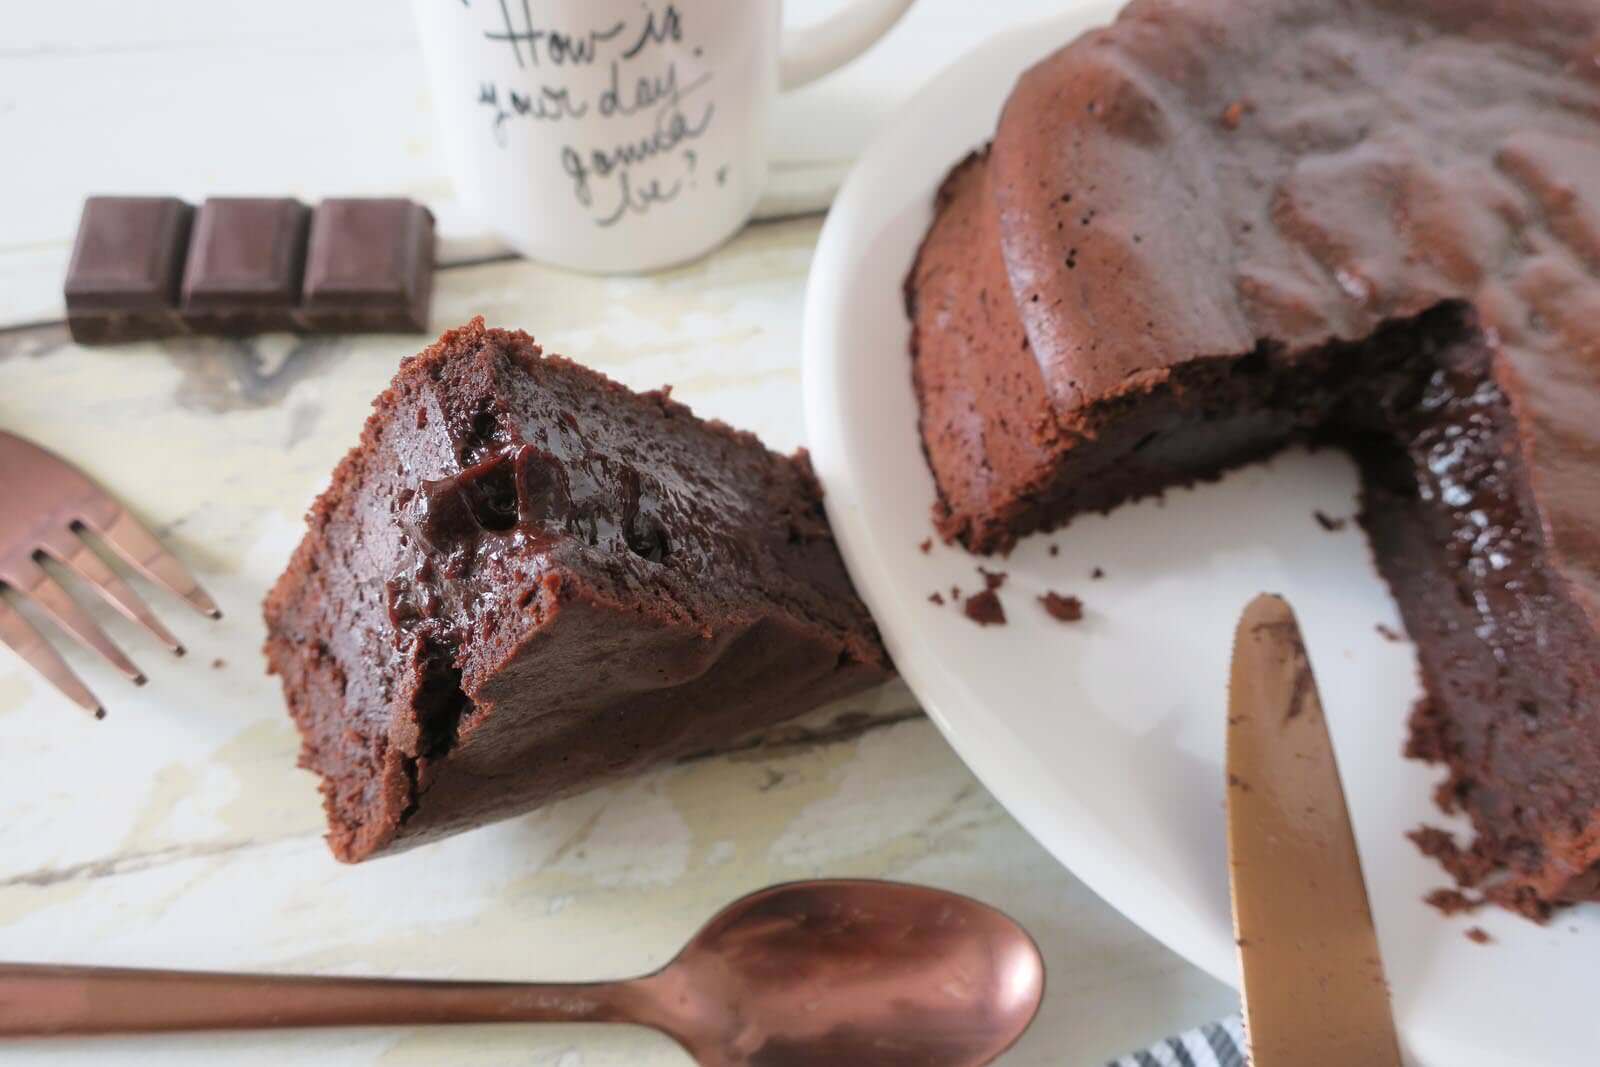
(71, 551)
(139, 547)
(30, 580)
(25, 641)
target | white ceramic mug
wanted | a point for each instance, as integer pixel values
(620, 135)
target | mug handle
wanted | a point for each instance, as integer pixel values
(811, 52)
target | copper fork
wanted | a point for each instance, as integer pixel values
(46, 504)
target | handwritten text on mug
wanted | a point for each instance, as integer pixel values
(628, 176)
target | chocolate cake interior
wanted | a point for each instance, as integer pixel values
(1449, 510)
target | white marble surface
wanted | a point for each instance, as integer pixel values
(178, 832)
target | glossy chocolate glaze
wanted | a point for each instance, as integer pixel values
(1201, 231)
(528, 579)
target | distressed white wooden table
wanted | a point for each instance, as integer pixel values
(178, 832)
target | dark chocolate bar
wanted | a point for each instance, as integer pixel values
(122, 284)
(369, 267)
(147, 267)
(245, 262)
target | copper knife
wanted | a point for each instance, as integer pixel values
(1314, 988)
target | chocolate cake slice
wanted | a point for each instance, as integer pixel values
(527, 579)
(1220, 226)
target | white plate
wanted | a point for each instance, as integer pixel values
(1104, 738)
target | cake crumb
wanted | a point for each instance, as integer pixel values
(1235, 112)
(935, 597)
(1055, 550)
(1452, 902)
(1478, 935)
(1328, 522)
(218, 663)
(926, 546)
(1098, 573)
(1062, 608)
(1433, 841)
(955, 592)
(984, 608)
(993, 579)
(1427, 741)
(1468, 866)
(1389, 634)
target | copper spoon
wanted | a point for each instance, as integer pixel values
(846, 972)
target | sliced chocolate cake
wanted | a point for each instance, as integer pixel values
(527, 579)
(1220, 226)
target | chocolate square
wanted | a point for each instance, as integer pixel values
(369, 267)
(245, 261)
(122, 283)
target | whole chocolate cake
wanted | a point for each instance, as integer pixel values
(527, 579)
(1219, 226)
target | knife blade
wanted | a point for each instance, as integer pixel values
(1314, 986)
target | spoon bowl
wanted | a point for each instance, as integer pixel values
(852, 972)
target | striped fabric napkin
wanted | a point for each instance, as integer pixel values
(1218, 1044)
